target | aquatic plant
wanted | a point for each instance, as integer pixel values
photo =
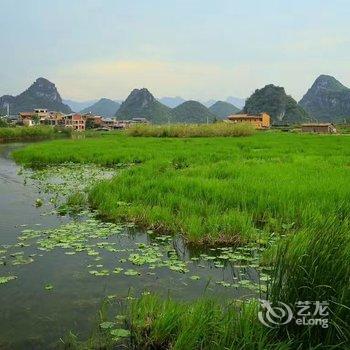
(313, 265)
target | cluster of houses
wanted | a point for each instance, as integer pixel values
(76, 121)
(81, 122)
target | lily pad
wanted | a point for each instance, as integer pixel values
(195, 278)
(120, 333)
(5, 279)
(48, 286)
(107, 325)
(131, 272)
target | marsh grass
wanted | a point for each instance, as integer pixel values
(231, 190)
(191, 130)
(313, 265)
(27, 133)
(158, 323)
(228, 190)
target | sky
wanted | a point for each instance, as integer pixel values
(197, 49)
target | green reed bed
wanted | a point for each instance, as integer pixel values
(313, 265)
(203, 324)
(214, 189)
(152, 322)
(191, 130)
(29, 133)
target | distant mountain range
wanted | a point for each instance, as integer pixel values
(327, 100)
(41, 94)
(171, 102)
(103, 107)
(77, 106)
(142, 104)
(192, 112)
(223, 109)
(274, 101)
(236, 101)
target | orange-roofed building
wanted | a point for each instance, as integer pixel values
(261, 121)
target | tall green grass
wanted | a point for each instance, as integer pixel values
(191, 130)
(157, 323)
(214, 189)
(203, 324)
(313, 265)
(27, 133)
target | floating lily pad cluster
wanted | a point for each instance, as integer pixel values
(62, 181)
(88, 235)
(5, 279)
(102, 243)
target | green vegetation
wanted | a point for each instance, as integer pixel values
(5, 279)
(191, 130)
(3, 122)
(203, 324)
(151, 322)
(313, 265)
(223, 109)
(273, 100)
(292, 189)
(213, 189)
(28, 133)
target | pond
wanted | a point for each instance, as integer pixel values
(56, 270)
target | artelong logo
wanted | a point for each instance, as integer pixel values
(308, 313)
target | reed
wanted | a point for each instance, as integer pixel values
(313, 265)
(191, 130)
(28, 133)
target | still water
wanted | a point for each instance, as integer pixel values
(35, 317)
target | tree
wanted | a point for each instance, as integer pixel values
(3, 122)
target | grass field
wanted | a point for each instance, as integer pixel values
(214, 189)
(222, 190)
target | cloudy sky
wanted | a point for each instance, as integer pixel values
(193, 48)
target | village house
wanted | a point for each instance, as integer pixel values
(35, 117)
(122, 124)
(27, 118)
(75, 121)
(320, 128)
(261, 121)
(54, 119)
